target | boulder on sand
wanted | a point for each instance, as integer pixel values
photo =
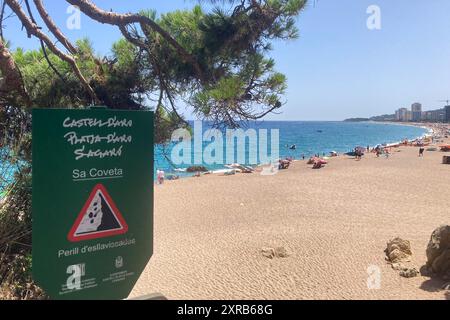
(197, 169)
(398, 250)
(438, 252)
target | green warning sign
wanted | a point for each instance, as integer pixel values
(92, 201)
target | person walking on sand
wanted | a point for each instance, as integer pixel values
(421, 150)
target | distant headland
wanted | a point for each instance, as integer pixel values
(356, 120)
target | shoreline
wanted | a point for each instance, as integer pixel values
(183, 175)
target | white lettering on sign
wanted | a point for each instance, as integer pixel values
(83, 140)
(93, 122)
(81, 153)
(73, 138)
(78, 174)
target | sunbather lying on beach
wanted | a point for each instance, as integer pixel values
(283, 164)
(317, 165)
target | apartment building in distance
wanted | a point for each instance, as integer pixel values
(434, 115)
(447, 114)
(417, 115)
(403, 115)
(416, 112)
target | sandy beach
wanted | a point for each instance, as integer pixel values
(333, 222)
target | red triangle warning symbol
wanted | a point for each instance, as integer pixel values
(99, 218)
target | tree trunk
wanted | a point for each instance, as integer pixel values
(11, 77)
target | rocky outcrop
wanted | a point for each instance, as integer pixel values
(196, 169)
(438, 252)
(398, 250)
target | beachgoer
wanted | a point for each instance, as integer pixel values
(421, 150)
(160, 176)
(358, 154)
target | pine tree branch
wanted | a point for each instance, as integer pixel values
(122, 20)
(53, 27)
(33, 29)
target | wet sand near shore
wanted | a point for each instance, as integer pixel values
(333, 222)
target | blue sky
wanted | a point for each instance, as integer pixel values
(338, 68)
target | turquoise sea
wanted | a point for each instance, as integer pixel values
(309, 137)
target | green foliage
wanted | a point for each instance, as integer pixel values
(239, 82)
(118, 83)
(15, 279)
(15, 206)
(44, 86)
(15, 239)
(125, 53)
(15, 214)
(167, 122)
